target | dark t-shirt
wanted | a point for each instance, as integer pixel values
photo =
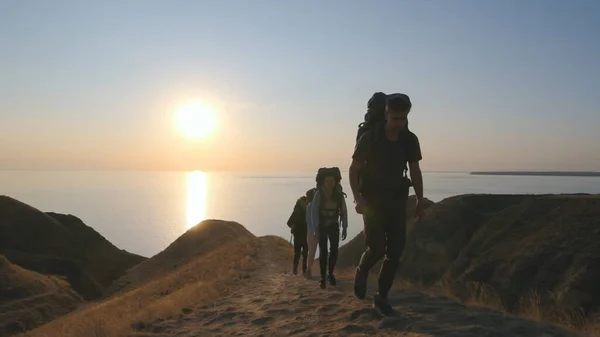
(385, 160)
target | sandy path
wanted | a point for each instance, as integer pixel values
(276, 303)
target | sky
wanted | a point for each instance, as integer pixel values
(495, 85)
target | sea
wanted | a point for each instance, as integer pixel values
(143, 212)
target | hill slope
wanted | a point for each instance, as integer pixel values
(51, 243)
(200, 239)
(242, 287)
(547, 247)
(434, 243)
(188, 276)
(273, 302)
(219, 279)
(29, 299)
(517, 247)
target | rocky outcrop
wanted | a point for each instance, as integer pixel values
(433, 244)
(517, 247)
(545, 247)
(58, 244)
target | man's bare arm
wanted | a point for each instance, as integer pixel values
(417, 179)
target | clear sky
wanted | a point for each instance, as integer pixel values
(511, 84)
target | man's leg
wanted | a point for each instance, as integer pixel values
(304, 247)
(375, 242)
(323, 254)
(334, 243)
(395, 228)
(297, 248)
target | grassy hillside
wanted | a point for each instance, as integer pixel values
(29, 299)
(187, 276)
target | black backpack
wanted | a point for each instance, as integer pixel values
(375, 118)
(375, 115)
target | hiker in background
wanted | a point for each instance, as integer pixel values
(380, 187)
(327, 211)
(297, 224)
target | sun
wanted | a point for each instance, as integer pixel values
(196, 120)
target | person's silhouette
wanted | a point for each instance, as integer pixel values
(380, 188)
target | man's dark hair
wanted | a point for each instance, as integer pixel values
(398, 102)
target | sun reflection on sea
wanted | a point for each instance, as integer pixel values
(196, 198)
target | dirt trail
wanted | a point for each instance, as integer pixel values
(276, 303)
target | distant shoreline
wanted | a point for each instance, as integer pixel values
(537, 173)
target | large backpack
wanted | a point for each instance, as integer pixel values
(375, 114)
(337, 175)
(375, 118)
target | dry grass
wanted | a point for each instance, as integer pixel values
(198, 282)
(13, 276)
(52, 243)
(29, 299)
(472, 294)
(591, 330)
(533, 306)
(198, 240)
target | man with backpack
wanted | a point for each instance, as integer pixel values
(380, 187)
(297, 224)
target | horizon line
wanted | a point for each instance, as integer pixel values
(470, 172)
(193, 170)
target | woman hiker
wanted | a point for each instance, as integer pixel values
(326, 212)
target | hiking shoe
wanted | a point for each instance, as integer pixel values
(295, 270)
(332, 280)
(304, 272)
(360, 284)
(323, 284)
(381, 304)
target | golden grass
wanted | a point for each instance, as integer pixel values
(198, 282)
(14, 275)
(532, 306)
(198, 240)
(591, 330)
(29, 299)
(475, 294)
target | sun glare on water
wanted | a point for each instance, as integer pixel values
(196, 198)
(196, 120)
